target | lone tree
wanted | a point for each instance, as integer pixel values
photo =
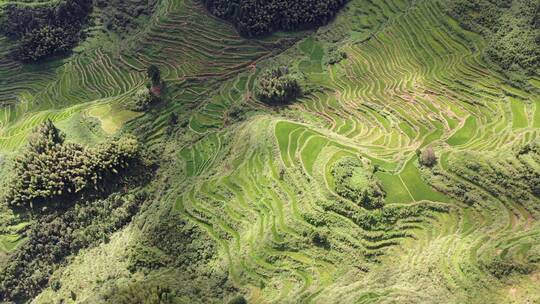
(427, 157)
(154, 75)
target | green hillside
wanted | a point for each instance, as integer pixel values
(387, 153)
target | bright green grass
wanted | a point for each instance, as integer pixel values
(536, 120)
(311, 150)
(464, 134)
(519, 117)
(396, 191)
(112, 117)
(418, 188)
(9, 242)
(283, 132)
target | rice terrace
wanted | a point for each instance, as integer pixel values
(269, 151)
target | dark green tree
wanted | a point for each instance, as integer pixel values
(154, 75)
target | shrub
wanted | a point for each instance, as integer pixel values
(239, 299)
(503, 267)
(335, 56)
(45, 41)
(319, 238)
(357, 183)
(52, 172)
(123, 16)
(427, 157)
(516, 176)
(141, 101)
(277, 86)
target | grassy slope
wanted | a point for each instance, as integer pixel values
(412, 78)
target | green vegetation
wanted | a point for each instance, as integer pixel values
(138, 293)
(124, 16)
(44, 31)
(427, 157)
(277, 86)
(237, 300)
(356, 182)
(394, 160)
(335, 55)
(141, 101)
(502, 268)
(253, 18)
(53, 172)
(154, 75)
(55, 236)
(511, 28)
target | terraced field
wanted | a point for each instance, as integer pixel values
(262, 186)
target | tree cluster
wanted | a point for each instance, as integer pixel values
(382, 219)
(356, 182)
(277, 86)
(145, 96)
(180, 252)
(138, 292)
(254, 17)
(511, 27)
(121, 15)
(55, 236)
(515, 177)
(47, 30)
(52, 172)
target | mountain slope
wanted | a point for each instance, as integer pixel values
(245, 200)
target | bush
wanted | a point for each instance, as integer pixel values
(427, 157)
(141, 101)
(45, 41)
(239, 299)
(514, 176)
(503, 267)
(356, 182)
(123, 16)
(52, 172)
(253, 17)
(335, 56)
(277, 86)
